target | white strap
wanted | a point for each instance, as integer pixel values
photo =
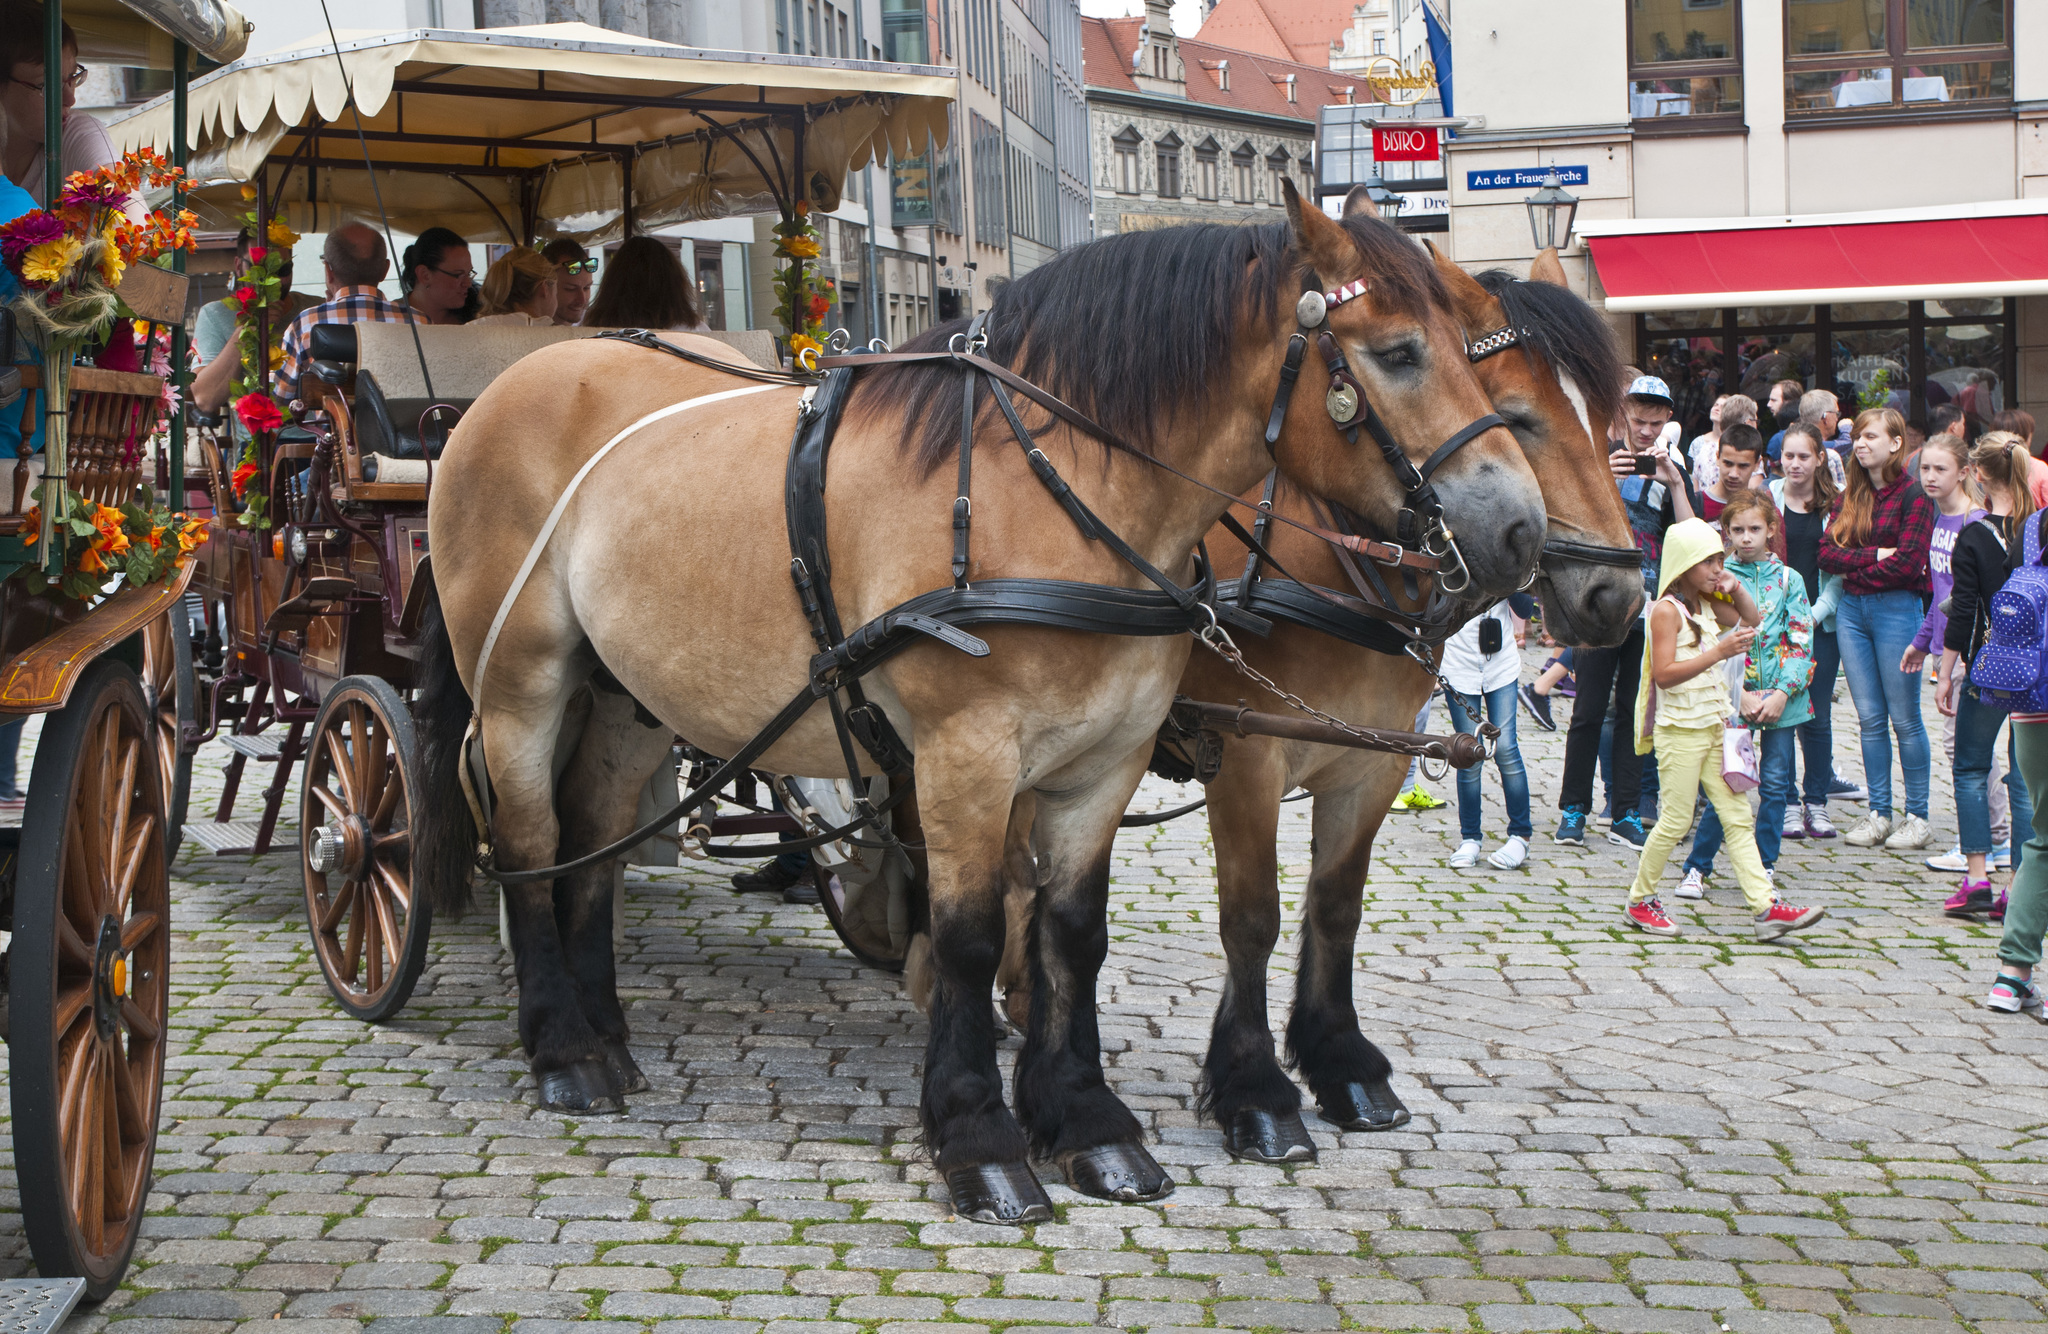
(547, 530)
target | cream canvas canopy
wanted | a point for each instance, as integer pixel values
(520, 134)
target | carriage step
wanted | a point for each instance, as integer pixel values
(37, 1305)
(262, 746)
(224, 839)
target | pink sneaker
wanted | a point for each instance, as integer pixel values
(1971, 898)
(1783, 917)
(1649, 915)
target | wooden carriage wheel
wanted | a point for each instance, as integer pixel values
(171, 689)
(90, 987)
(369, 929)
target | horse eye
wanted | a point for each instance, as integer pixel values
(1397, 357)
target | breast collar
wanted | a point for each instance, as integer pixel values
(1420, 523)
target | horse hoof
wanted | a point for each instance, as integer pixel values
(1269, 1137)
(1368, 1106)
(1123, 1172)
(998, 1193)
(580, 1089)
(623, 1070)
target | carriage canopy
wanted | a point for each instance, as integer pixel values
(140, 32)
(521, 134)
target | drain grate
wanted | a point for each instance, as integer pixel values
(37, 1305)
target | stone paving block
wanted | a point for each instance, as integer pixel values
(1408, 1316)
(1514, 1319)
(1274, 1315)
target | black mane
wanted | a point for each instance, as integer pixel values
(1135, 330)
(1567, 332)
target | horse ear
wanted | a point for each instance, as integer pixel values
(1465, 289)
(1547, 269)
(1358, 203)
(1320, 241)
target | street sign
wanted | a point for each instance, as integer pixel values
(1522, 178)
(1403, 143)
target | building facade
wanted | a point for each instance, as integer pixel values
(1184, 130)
(1849, 193)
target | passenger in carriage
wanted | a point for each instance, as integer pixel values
(217, 330)
(519, 290)
(23, 81)
(576, 270)
(644, 287)
(438, 278)
(14, 201)
(356, 262)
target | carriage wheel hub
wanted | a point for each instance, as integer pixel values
(340, 848)
(110, 977)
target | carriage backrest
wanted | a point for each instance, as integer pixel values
(464, 359)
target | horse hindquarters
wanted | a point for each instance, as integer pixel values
(1243, 1088)
(1347, 1073)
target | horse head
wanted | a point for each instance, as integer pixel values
(1383, 371)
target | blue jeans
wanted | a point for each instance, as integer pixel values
(1507, 757)
(1817, 734)
(1774, 763)
(1421, 724)
(1976, 742)
(1874, 631)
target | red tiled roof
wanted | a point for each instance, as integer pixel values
(1258, 82)
(1299, 30)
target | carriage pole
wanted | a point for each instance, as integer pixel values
(180, 155)
(56, 379)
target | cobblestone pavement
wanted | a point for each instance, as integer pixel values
(1610, 1131)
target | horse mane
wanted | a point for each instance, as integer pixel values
(1135, 330)
(1566, 332)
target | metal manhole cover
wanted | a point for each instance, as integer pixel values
(37, 1305)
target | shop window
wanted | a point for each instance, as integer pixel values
(1685, 61)
(1205, 169)
(1918, 57)
(1169, 166)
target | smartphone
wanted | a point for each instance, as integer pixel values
(1646, 465)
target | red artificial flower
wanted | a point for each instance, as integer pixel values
(258, 412)
(240, 479)
(257, 253)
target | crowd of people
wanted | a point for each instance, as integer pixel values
(1855, 549)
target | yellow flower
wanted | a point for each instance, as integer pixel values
(801, 247)
(800, 344)
(248, 192)
(281, 233)
(111, 264)
(50, 261)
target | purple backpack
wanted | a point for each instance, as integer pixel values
(2011, 670)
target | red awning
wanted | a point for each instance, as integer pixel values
(1905, 256)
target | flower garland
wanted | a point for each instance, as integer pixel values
(261, 286)
(141, 542)
(804, 294)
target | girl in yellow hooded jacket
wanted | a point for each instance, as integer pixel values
(1684, 705)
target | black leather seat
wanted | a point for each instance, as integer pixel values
(391, 426)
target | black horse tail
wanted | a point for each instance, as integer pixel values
(444, 835)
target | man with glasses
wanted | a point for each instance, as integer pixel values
(23, 86)
(572, 288)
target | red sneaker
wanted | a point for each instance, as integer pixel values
(1649, 915)
(1783, 917)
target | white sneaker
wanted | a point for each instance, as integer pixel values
(1510, 854)
(1911, 832)
(1795, 820)
(1817, 823)
(1467, 856)
(1951, 861)
(1694, 886)
(1869, 831)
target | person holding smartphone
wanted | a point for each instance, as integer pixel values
(1658, 493)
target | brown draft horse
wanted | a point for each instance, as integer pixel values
(666, 586)
(1556, 391)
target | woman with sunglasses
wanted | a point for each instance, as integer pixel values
(23, 86)
(439, 278)
(575, 271)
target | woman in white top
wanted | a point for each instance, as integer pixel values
(1483, 667)
(519, 289)
(23, 81)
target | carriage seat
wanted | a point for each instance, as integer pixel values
(391, 426)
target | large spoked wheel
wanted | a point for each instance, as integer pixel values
(90, 992)
(355, 838)
(171, 689)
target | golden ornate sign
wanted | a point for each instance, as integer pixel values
(1393, 81)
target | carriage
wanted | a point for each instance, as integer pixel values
(84, 878)
(307, 631)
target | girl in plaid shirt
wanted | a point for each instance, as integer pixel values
(1878, 543)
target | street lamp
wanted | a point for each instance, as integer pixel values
(1388, 202)
(1550, 215)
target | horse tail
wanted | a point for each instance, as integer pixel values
(444, 835)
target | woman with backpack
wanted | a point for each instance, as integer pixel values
(1986, 552)
(1878, 543)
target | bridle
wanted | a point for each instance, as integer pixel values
(1420, 523)
(1558, 548)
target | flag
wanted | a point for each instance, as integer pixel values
(1439, 55)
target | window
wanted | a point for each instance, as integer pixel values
(1379, 43)
(1685, 58)
(1169, 166)
(903, 37)
(991, 221)
(1918, 56)
(782, 26)
(1205, 169)
(1276, 172)
(1126, 142)
(1243, 162)
(831, 37)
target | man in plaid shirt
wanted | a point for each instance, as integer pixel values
(356, 262)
